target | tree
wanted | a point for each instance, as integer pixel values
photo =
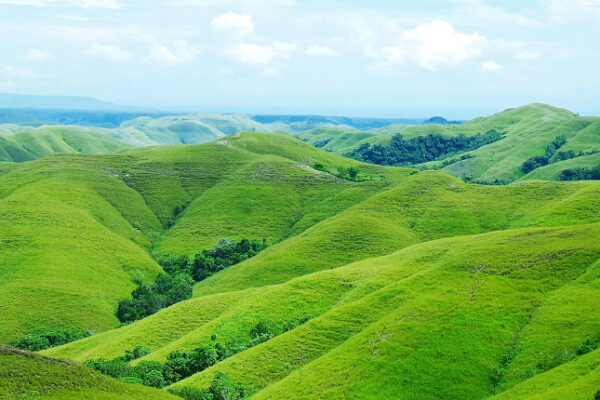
(353, 172)
(222, 388)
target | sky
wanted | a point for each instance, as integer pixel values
(375, 58)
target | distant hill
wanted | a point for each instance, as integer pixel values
(441, 121)
(526, 133)
(36, 143)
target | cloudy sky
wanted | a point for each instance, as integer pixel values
(459, 58)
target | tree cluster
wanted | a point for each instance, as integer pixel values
(421, 149)
(181, 273)
(224, 254)
(581, 174)
(540, 161)
(41, 340)
(151, 297)
(182, 364)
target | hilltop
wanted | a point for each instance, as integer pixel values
(31, 144)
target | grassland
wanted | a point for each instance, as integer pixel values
(399, 285)
(529, 129)
(26, 376)
(27, 145)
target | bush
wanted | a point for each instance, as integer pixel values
(225, 254)
(149, 298)
(41, 340)
(222, 388)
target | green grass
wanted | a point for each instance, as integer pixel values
(412, 284)
(40, 142)
(26, 376)
(529, 129)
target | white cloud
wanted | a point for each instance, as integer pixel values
(181, 53)
(490, 66)
(429, 46)
(255, 54)
(249, 53)
(37, 55)
(438, 44)
(232, 22)
(108, 4)
(528, 55)
(109, 52)
(321, 51)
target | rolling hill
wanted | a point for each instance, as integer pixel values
(27, 145)
(395, 284)
(528, 130)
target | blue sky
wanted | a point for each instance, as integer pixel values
(459, 58)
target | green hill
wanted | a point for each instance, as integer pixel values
(36, 143)
(528, 130)
(395, 284)
(25, 375)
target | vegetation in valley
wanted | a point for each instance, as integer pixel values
(421, 149)
(581, 174)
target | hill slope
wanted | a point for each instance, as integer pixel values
(40, 142)
(75, 230)
(28, 376)
(395, 284)
(528, 130)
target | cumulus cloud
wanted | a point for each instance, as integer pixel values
(429, 46)
(321, 51)
(490, 66)
(437, 44)
(234, 23)
(107, 4)
(108, 52)
(37, 55)
(528, 55)
(181, 53)
(256, 54)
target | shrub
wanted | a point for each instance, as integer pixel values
(41, 340)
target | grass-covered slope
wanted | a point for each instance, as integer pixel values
(528, 130)
(25, 375)
(438, 319)
(40, 142)
(77, 230)
(399, 284)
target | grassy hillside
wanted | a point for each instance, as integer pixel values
(77, 230)
(40, 142)
(397, 284)
(437, 318)
(28, 376)
(529, 129)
